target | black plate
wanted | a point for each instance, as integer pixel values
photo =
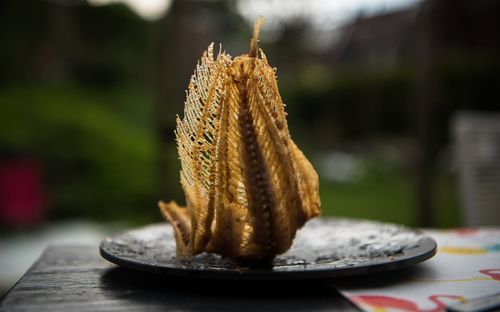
(324, 248)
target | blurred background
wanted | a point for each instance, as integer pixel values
(396, 103)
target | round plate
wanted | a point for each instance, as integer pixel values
(323, 248)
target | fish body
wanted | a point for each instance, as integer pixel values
(248, 187)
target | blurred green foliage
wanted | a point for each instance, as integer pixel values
(388, 194)
(98, 145)
(96, 148)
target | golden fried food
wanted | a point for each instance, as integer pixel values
(248, 187)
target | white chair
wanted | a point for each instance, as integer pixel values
(477, 151)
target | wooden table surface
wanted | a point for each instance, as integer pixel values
(76, 278)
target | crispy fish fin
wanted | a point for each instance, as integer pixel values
(181, 222)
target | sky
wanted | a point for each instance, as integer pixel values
(320, 14)
(147, 9)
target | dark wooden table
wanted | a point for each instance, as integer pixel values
(76, 278)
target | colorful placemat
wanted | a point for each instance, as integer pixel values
(467, 266)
